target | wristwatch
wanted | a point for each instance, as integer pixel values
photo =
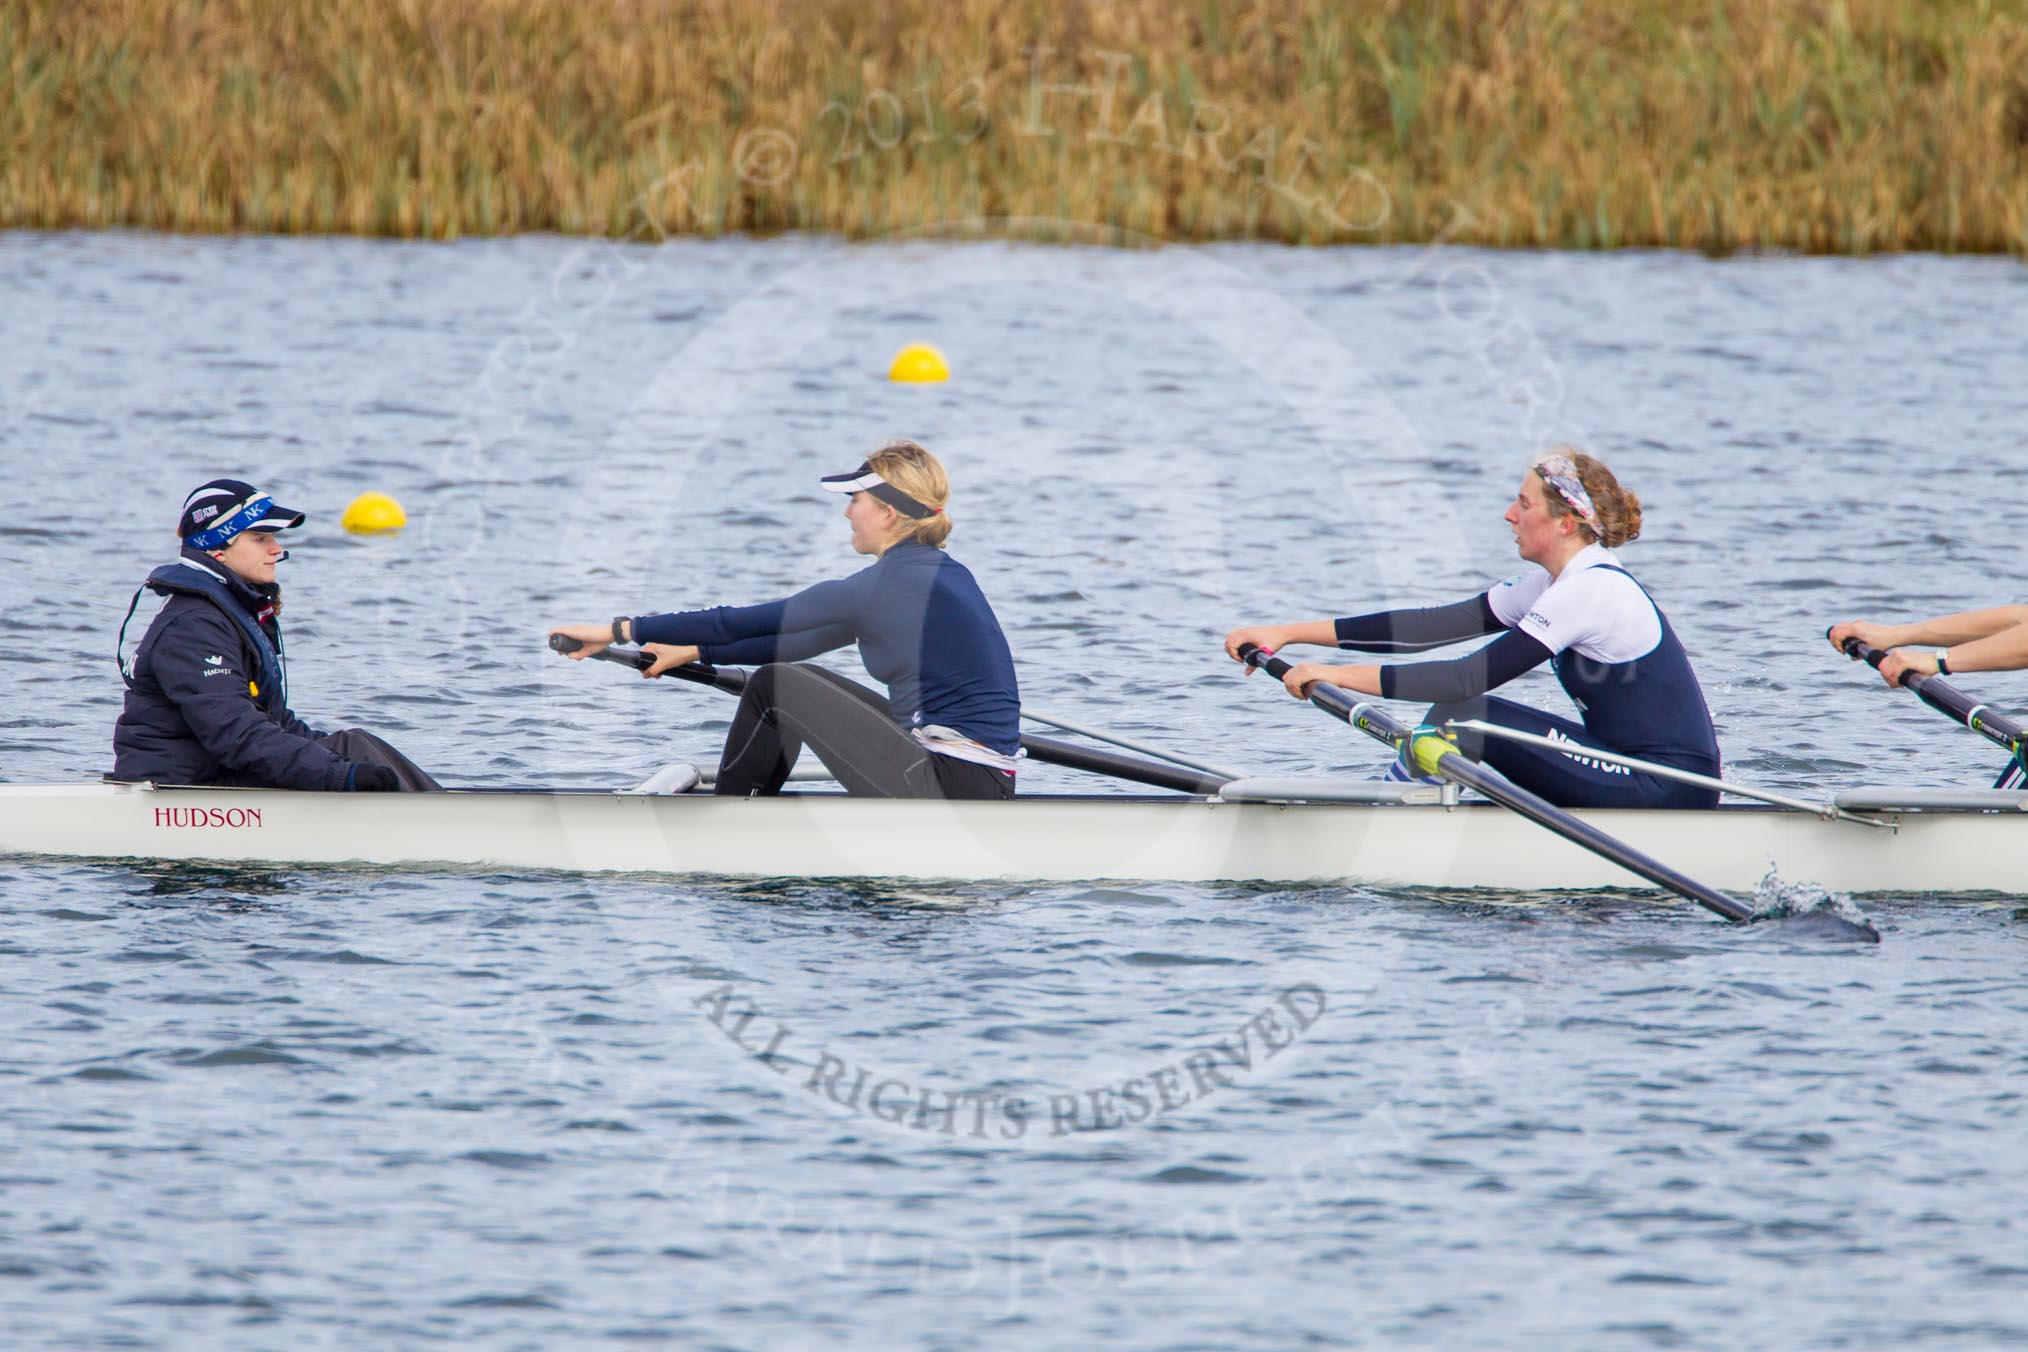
(618, 621)
(1942, 667)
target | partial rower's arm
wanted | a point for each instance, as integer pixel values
(796, 645)
(1384, 631)
(838, 602)
(1491, 667)
(1418, 631)
(2002, 650)
(1944, 631)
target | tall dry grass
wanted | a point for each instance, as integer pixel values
(1826, 126)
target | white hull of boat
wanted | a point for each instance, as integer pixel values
(1475, 845)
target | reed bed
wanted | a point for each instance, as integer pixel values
(1845, 126)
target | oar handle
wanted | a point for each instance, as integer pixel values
(1873, 657)
(634, 658)
(730, 679)
(1256, 656)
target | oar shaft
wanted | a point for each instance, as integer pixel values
(1947, 700)
(1128, 743)
(1454, 766)
(1071, 756)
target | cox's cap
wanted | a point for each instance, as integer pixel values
(223, 508)
(866, 479)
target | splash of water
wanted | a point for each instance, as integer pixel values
(1774, 899)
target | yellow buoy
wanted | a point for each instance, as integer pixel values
(918, 363)
(373, 513)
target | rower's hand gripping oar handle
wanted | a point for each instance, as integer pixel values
(730, 679)
(1873, 657)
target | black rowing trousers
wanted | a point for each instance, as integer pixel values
(787, 706)
(356, 744)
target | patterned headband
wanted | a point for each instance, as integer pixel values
(1559, 471)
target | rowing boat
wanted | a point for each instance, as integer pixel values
(1259, 830)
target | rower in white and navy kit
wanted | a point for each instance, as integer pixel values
(1610, 645)
(949, 726)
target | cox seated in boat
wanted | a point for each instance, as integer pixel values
(949, 725)
(207, 693)
(1972, 640)
(1578, 610)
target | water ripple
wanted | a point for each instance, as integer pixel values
(297, 1107)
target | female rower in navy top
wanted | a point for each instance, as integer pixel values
(1577, 609)
(950, 724)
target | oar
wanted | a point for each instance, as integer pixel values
(1046, 749)
(1433, 754)
(1949, 701)
(1054, 751)
(1218, 772)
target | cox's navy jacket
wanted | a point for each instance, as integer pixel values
(206, 695)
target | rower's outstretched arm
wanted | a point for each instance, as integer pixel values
(1384, 631)
(814, 620)
(796, 645)
(823, 607)
(1995, 639)
(1418, 631)
(1968, 626)
(1460, 678)
(2006, 650)
(1492, 666)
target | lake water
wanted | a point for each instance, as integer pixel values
(296, 1108)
